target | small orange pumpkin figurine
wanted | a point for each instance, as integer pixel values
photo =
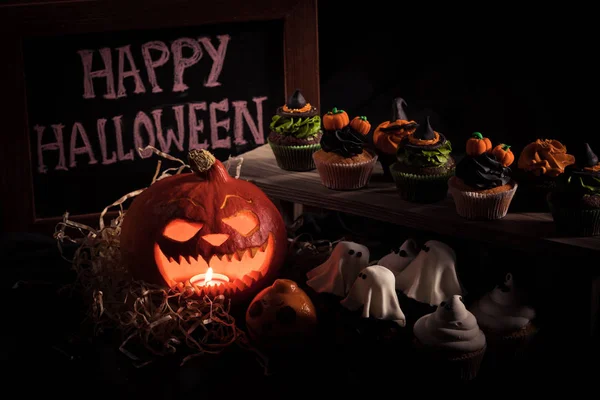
(477, 144)
(503, 154)
(335, 119)
(360, 125)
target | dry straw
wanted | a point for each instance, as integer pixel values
(154, 321)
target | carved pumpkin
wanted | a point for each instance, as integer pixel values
(335, 119)
(184, 224)
(477, 144)
(281, 314)
(388, 134)
(360, 125)
(503, 154)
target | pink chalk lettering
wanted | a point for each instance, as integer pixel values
(58, 145)
(217, 143)
(218, 57)
(151, 64)
(88, 74)
(196, 125)
(118, 123)
(86, 148)
(242, 114)
(181, 62)
(141, 119)
(125, 52)
(165, 144)
(100, 125)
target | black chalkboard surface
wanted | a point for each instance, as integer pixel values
(94, 99)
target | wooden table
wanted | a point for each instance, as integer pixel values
(380, 201)
(528, 232)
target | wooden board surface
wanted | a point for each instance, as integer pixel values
(531, 232)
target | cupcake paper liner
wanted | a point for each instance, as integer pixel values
(435, 362)
(345, 176)
(421, 188)
(575, 222)
(485, 206)
(295, 158)
(505, 349)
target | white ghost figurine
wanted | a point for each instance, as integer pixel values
(431, 277)
(338, 273)
(375, 291)
(399, 258)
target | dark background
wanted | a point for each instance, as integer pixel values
(509, 70)
(511, 73)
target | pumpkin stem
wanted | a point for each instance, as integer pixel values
(363, 117)
(200, 160)
(505, 147)
(477, 135)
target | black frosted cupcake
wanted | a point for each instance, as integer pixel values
(295, 134)
(575, 203)
(423, 165)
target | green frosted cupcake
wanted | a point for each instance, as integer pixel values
(575, 203)
(295, 134)
(423, 165)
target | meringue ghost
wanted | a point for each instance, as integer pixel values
(338, 273)
(399, 258)
(431, 277)
(374, 290)
(502, 310)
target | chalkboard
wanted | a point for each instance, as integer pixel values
(89, 83)
(93, 100)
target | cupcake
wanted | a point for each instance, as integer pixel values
(539, 165)
(505, 320)
(295, 134)
(423, 165)
(449, 341)
(388, 135)
(483, 187)
(575, 202)
(343, 163)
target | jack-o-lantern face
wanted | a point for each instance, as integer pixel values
(183, 225)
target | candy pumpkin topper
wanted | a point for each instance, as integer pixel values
(388, 134)
(503, 154)
(478, 144)
(297, 107)
(205, 223)
(335, 119)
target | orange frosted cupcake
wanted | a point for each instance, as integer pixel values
(540, 164)
(388, 135)
(343, 163)
(483, 187)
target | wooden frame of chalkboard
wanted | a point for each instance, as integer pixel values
(25, 19)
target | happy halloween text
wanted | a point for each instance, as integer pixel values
(76, 143)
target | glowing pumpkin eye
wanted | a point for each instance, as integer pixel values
(245, 222)
(180, 230)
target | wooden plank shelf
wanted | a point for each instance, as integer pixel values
(530, 232)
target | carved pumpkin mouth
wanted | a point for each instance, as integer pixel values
(243, 267)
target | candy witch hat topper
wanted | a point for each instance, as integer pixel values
(425, 137)
(297, 107)
(399, 114)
